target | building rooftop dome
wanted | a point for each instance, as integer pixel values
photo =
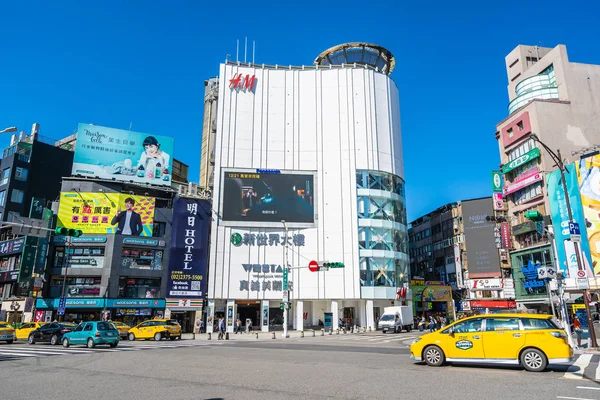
(359, 53)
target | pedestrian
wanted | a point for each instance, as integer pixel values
(431, 324)
(238, 326)
(341, 323)
(201, 326)
(221, 328)
(248, 322)
(422, 324)
(577, 327)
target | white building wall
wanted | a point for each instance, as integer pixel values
(329, 121)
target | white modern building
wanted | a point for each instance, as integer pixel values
(318, 147)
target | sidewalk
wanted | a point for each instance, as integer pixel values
(259, 335)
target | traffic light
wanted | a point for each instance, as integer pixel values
(333, 265)
(62, 231)
(534, 216)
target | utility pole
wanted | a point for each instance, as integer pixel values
(561, 166)
(67, 255)
(286, 295)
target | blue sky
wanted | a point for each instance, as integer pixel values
(113, 63)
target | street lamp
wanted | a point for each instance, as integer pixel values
(9, 129)
(561, 166)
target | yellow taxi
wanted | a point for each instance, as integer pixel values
(25, 329)
(156, 329)
(7, 332)
(530, 340)
(122, 327)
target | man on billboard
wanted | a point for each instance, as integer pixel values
(130, 222)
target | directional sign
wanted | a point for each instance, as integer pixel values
(583, 283)
(313, 266)
(574, 228)
(285, 278)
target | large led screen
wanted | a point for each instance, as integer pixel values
(255, 197)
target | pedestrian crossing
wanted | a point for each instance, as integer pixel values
(16, 351)
(375, 338)
(585, 366)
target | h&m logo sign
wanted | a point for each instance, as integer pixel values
(243, 82)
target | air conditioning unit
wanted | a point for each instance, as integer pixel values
(182, 190)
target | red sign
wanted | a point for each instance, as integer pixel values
(401, 293)
(528, 178)
(246, 84)
(505, 232)
(498, 202)
(493, 304)
(313, 266)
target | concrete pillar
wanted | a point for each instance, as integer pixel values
(299, 316)
(336, 314)
(362, 313)
(264, 326)
(210, 315)
(370, 321)
(230, 313)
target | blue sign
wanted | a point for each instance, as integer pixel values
(14, 246)
(62, 304)
(565, 249)
(81, 239)
(189, 248)
(73, 302)
(574, 228)
(144, 242)
(136, 303)
(531, 275)
(268, 171)
(115, 154)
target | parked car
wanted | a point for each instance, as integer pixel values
(92, 333)
(7, 332)
(52, 332)
(529, 340)
(156, 329)
(122, 327)
(24, 331)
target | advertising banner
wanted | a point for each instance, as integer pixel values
(525, 158)
(258, 198)
(528, 178)
(498, 201)
(127, 156)
(115, 213)
(458, 266)
(482, 253)
(565, 248)
(588, 176)
(42, 252)
(497, 181)
(27, 263)
(505, 233)
(188, 259)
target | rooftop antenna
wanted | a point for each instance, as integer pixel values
(237, 51)
(253, 50)
(245, 48)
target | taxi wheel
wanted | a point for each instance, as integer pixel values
(534, 360)
(10, 341)
(173, 337)
(158, 336)
(54, 340)
(113, 345)
(434, 356)
(90, 343)
(66, 343)
(131, 337)
(31, 339)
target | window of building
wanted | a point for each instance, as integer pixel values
(21, 174)
(159, 229)
(12, 216)
(80, 257)
(510, 132)
(10, 263)
(140, 288)
(520, 125)
(2, 198)
(527, 194)
(142, 258)
(5, 176)
(521, 149)
(17, 196)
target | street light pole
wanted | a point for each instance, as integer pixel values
(67, 254)
(561, 166)
(286, 289)
(9, 129)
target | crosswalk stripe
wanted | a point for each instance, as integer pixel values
(575, 371)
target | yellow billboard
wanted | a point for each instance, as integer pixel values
(115, 213)
(588, 174)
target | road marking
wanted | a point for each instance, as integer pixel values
(588, 387)
(20, 354)
(573, 398)
(576, 370)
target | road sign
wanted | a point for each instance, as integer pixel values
(583, 283)
(313, 266)
(574, 228)
(550, 272)
(581, 273)
(285, 278)
(62, 303)
(285, 295)
(576, 238)
(542, 273)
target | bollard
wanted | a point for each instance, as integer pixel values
(257, 335)
(337, 331)
(208, 335)
(226, 335)
(330, 331)
(301, 333)
(313, 332)
(370, 329)
(344, 330)
(322, 332)
(273, 335)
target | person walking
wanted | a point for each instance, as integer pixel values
(431, 324)
(221, 328)
(238, 326)
(577, 328)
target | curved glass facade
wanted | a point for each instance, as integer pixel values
(382, 231)
(542, 86)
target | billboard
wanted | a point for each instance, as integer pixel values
(482, 254)
(255, 198)
(188, 261)
(588, 175)
(116, 154)
(565, 248)
(115, 213)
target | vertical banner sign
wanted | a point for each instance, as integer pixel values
(588, 175)
(458, 266)
(37, 208)
(42, 252)
(498, 200)
(265, 316)
(497, 181)
(505, 232)
(189, 248)
(565, 248)
(27, 263)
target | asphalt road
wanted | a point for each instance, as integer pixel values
(275, 370)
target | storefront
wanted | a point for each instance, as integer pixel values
(135, 311)
(136, 288)
(433, 298)
(530, 292)
(77, 309)
(494, 306)
(188, 312)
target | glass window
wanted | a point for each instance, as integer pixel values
(140, 288)
(537, 323)
(159, 229)
(17, 196)
(473, 325)
(501, 324)
(21, 174)
(79, 328)
(142, 259)
(2, 198)
(88, 327)
(5, 176)
(104, 326)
